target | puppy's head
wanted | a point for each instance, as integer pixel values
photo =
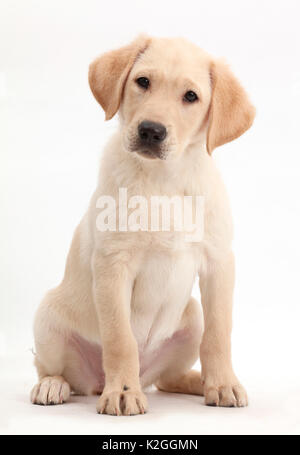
(169, 93)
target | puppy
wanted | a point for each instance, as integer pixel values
(123, 317)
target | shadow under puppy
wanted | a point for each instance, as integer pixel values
(123, 317)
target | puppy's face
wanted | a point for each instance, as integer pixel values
(166, 99)
(170, 94)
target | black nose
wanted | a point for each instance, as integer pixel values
(151, 133)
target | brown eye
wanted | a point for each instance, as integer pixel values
(143, 82)
(190, 96)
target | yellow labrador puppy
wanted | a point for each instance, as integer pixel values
(123, 317)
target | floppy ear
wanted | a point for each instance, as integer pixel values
(109, 72)
(231, 113)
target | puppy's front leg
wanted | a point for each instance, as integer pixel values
(112, 286)
(221, 387)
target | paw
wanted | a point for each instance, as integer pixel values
(229, 395)
(50, 390)
(122, 403)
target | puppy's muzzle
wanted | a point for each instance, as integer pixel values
(151, 136)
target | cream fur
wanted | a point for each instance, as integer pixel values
(129, 293)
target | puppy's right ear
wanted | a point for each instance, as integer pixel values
(109, 72)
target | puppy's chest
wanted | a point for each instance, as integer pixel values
(160, 293)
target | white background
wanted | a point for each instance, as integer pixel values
(51, 135)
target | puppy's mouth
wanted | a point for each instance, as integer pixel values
(151, 154)
(148, 151)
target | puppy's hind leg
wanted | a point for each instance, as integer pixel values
(49, 361)
(52, 387)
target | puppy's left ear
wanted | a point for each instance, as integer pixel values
(109, 72)
(230, 113)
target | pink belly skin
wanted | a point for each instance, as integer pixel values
(149, 360)
(90, 360)
(89, 356)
